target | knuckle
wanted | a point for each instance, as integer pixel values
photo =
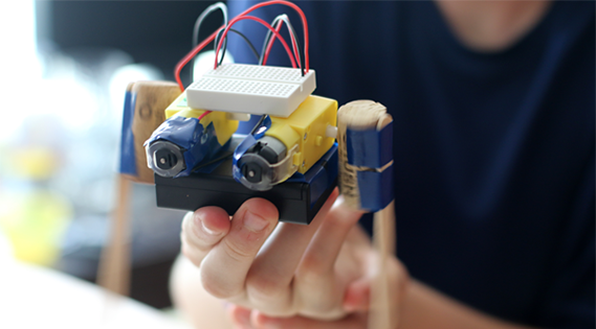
(321, 300)
(270, 294)
(279, 312)
(275, 307)
(343, 220)
(311, 267)
(265, 288)
(266, 208)
(343, 216)
(325, 313)
(237, 252)
(213, 285)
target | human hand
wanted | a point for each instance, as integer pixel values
(300, 270)
(356, 299)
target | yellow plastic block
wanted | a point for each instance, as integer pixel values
(178, 105)
(306, 127)
(296, 159)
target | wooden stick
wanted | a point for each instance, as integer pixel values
(368, 115)
(114, 267)
(382, 313)
(151, 98)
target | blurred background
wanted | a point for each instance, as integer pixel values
(65, 67)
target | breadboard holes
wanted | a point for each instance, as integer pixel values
(244, 87)
(279, 74)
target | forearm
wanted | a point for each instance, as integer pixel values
(427, 308)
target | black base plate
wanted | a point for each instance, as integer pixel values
(294, 200)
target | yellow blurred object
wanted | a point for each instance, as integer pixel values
(35, 163)
(34, 223)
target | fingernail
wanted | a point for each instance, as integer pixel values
(207, 229)
(204, 227)
(254, 222)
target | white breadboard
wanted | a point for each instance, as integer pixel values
(254, 89)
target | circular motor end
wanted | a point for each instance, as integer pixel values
(256, 163)
(165, 158)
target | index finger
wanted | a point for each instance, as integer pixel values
(202, 230)
(224, 269)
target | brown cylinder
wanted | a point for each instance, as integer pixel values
(151, 100)
(356, 115)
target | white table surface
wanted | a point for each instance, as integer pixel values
(37, 297)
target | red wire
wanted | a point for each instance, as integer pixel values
(239, 18)
(191, 55)
(205, 42)
(198, 48)
(289, 4)
(294, 46)
(203, 115)
(270, 44)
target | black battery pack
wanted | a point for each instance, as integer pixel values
(298, 199)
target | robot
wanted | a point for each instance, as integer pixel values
(289, 157)
(197, 154)
(199, 158)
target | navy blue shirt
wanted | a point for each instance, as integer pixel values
(494, 152)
